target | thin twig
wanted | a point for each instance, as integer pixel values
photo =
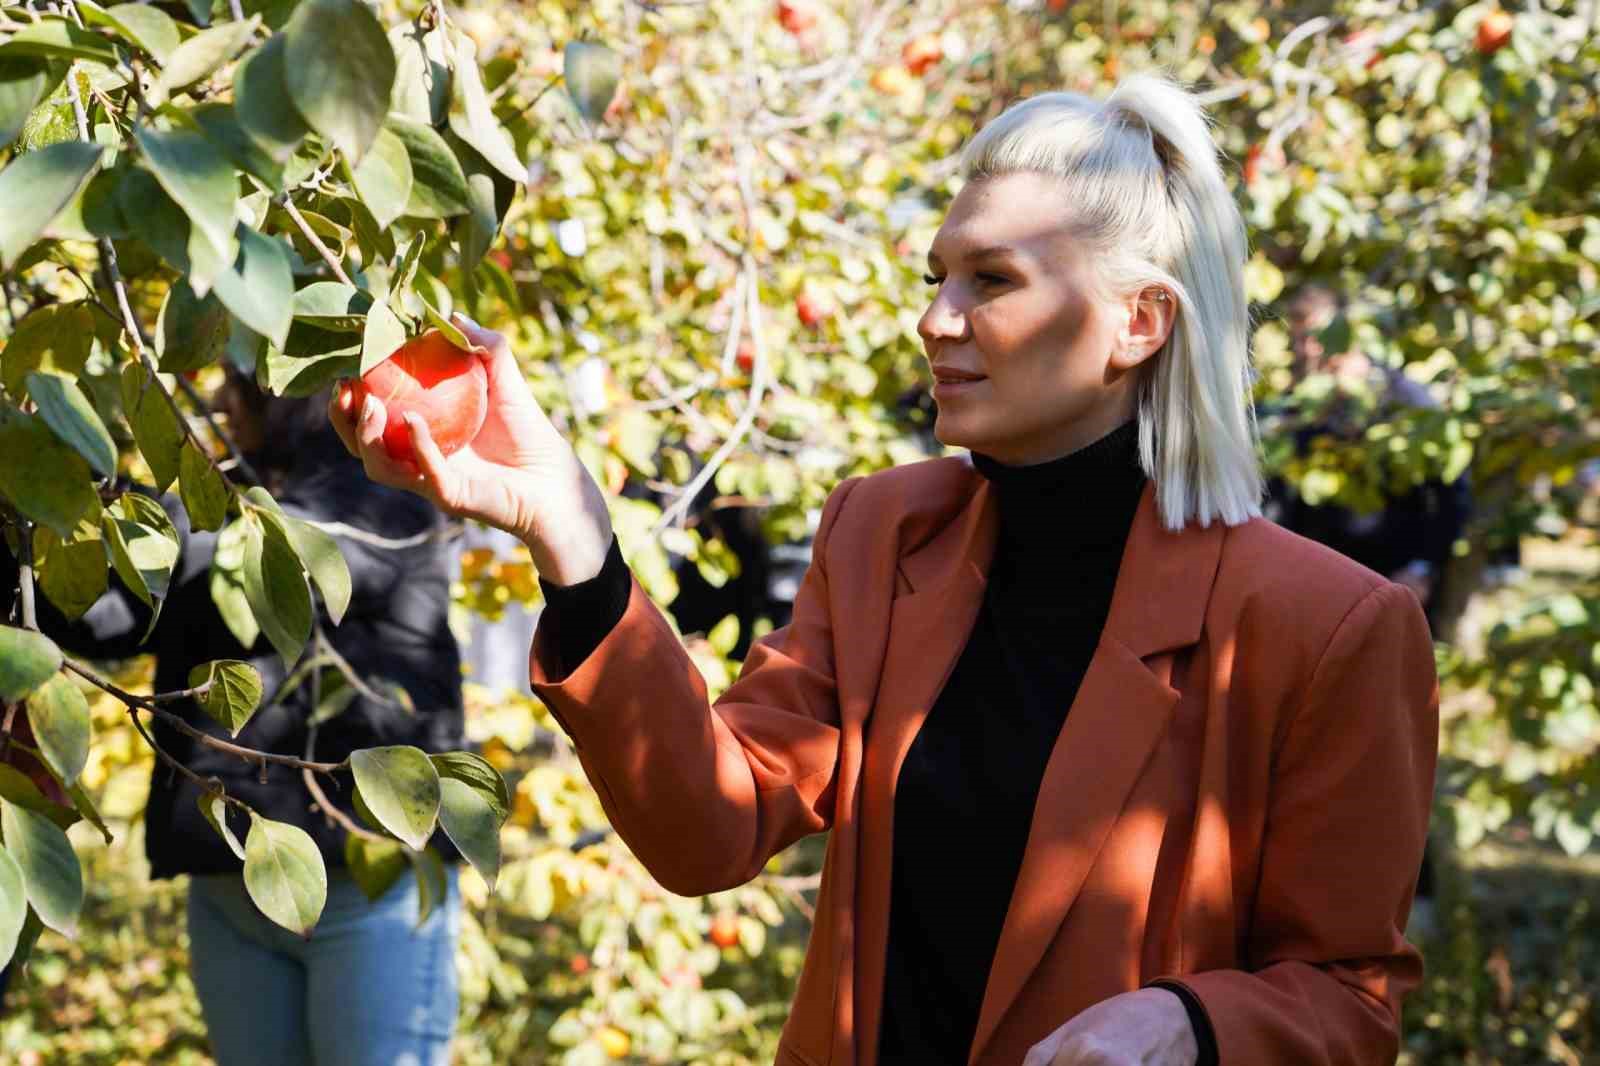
(130, 322)
(314, 786)
(30, 620)
(316, 242)
(239, 461)
(361, 536)
(177, 722)
(207, 784)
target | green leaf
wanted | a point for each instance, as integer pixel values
(474, 770)
(24, 81)
(220, 123)
(476, 232)
(27, 660)
(43, 478)
(205, 493)
(296, 377)
(259, 287)
(85, 806)
(443, 324)
(284, 874)
(199, 179)
(156, 220)
(381, 335)
(332, 305)
(339, 70)
(422, 74)
(203, 53)
(214, 808)
(439, 187)
(234, 693)
(261, 102)
(191, 331)
(401, 789)
(374, 865)
(591, 73)
(17, 787)
(155, 426)
(67, 411)
(57, 337)
(275, 585)
(51, 875)
(55, 39)
(470, 821)
(72, 571)
(320, 555)
(13, 905)
(143, 546)
(227, 583)
(93, 213)
(471, 117)
(432, 885)
(150, 28)
(59, 716)
(383, 180)
(35, 187)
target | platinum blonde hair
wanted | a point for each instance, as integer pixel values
(1143, 176)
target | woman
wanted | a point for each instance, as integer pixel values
(368, 987)
(1115, 771)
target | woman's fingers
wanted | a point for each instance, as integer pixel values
(430, 460)
(342, 417)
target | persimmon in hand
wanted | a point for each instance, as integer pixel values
(428, 375)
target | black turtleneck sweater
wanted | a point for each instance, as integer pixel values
(969, 782)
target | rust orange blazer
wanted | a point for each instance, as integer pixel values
(1238, 797)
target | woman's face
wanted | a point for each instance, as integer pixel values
(1017, 306)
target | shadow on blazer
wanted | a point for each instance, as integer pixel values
(1238, 798)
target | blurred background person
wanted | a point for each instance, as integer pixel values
(370, 986)
(1409, 536)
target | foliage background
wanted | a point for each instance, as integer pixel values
(1451, 194)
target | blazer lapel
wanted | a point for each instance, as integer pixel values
(928, 629)
(1121, 711)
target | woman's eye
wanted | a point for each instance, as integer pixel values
(931, 280)
(992, 279)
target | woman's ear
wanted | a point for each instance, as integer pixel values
(1152, 313)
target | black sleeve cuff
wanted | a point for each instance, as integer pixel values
(580, 616)
(1204, 1035)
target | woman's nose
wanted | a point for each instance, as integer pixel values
(942, 321)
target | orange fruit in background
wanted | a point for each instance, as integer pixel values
(428, 375)
(725, 930)
(1494, 31)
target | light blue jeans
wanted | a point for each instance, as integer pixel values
(369, 988)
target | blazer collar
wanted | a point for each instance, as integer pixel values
(1162, 588)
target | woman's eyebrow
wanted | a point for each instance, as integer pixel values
(992, 251)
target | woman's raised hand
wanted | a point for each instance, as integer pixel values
(519, 474)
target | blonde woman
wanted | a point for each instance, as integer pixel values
(1114, 770)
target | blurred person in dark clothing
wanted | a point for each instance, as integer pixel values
(1410, 536)
(369, 985)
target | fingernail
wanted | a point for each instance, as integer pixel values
(369, 409)
(467, 320)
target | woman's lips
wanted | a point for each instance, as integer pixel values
(946, 388)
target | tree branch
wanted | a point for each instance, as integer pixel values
(130, 323)
(200, 736)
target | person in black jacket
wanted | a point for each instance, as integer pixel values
(1409, 538)
(369, 985)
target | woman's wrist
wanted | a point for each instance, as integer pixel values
(571, 547)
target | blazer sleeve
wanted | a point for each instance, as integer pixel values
(1347, 818)
(705, 795)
